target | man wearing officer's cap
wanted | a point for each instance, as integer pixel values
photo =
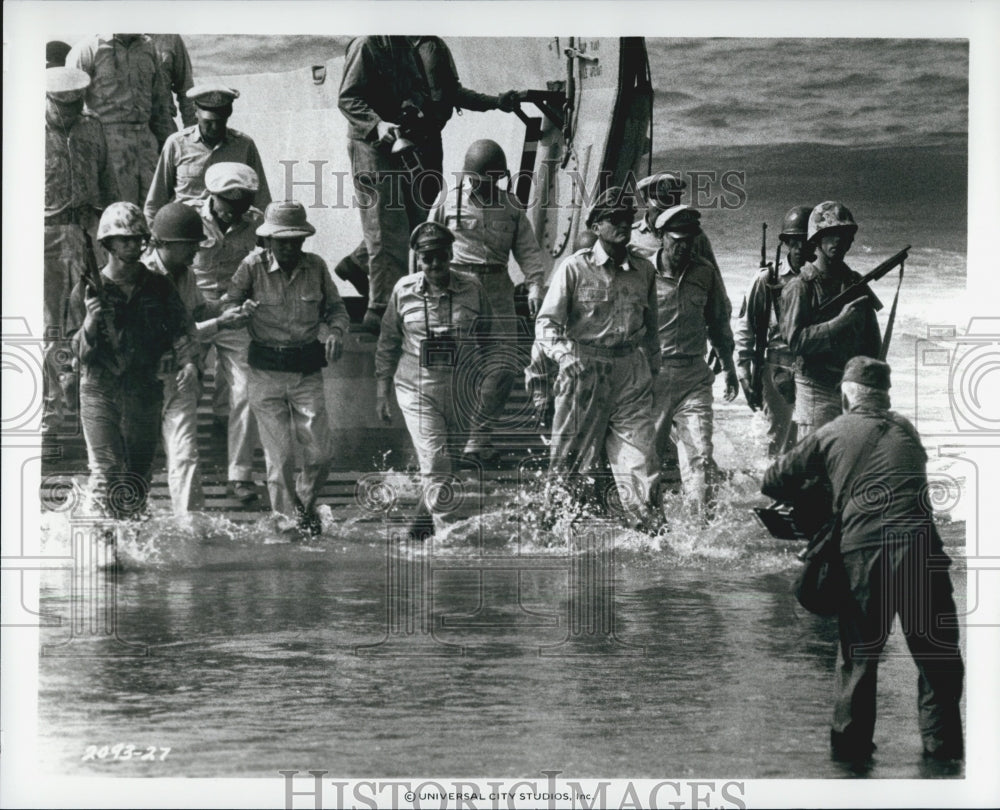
(692, 304)
(180, 171)
(598, 323)
(893, 558)
(230, 222)
(429, 330)
(129, 95)
(79, 183)
(659, 192)
(290, 295)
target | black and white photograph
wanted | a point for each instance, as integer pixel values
(573, 405)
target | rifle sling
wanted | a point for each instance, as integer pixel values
(892, 317)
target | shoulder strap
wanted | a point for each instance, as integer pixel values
(871, 441)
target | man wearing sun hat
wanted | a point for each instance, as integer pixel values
(230, 223)
(79, 183)
(129, 95)
(876, 468)
(598, 323)
(291, 295)
(180, 171)
(692, 304)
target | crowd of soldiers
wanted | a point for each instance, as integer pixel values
(156, 250)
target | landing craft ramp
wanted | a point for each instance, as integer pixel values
(590, 128)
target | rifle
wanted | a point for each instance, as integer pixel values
(93, 284)
(753, 391)
(859, 288)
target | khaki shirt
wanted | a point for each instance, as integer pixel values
(692, 307)
(78, 172)
(221, 253)
(291, 308)
(595, 302)
(406, 320)
(180, 170)
(752, 314)
(202, 312)
(127, 85)
(490, 234)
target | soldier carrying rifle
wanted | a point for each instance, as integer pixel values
(823, 343)
(765, 364)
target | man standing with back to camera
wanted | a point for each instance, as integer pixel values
(894, 560)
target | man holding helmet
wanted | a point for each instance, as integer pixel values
(123, 321)
(428, 323)
(822, 349)
(489, 225)
(758, 337)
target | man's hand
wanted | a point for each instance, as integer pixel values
(94, 312)
(535, 298)
(387, 131)
(508, 102)
(570, 365)
(187, 378)
(732, 385)
(232, 318)
(852, 315)
(334, 348)
(753, 397)
(382, 409)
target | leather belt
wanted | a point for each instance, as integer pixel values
(681, 360)
(480, 269)
(607, 351)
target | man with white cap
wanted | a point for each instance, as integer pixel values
(598, 323)
(661, 191)
(129, 95)
(230, 222)
(692, 303)
(79, 183)
(180, 171)
(292, 295)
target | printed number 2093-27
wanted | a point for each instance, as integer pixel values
(125, 752)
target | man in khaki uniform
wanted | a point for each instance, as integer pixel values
(598, 323)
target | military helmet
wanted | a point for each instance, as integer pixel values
(176, 222)
(829, 215)
(485, 159)
(122, 219)
(796, 222)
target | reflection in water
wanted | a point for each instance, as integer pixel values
(610, 653)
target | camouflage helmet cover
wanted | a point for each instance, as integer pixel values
(122, 219)
(829, 215)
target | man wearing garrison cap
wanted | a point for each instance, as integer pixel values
(180, 171)
(129, 95)
(874, 463)
(79, 183)
(598, 323)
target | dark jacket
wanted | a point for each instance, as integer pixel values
(823, 349)
(885, 501)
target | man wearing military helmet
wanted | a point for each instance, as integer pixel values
(230, 222)
(180, 171)
(129, 95)
(122, 322)
(758, 337)
(290, 295)
(893, 559)
(598, 323)
(79, 182)
(176, 234)
(822, 349)
(428, 331)
(489, 225)
(692, 304)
